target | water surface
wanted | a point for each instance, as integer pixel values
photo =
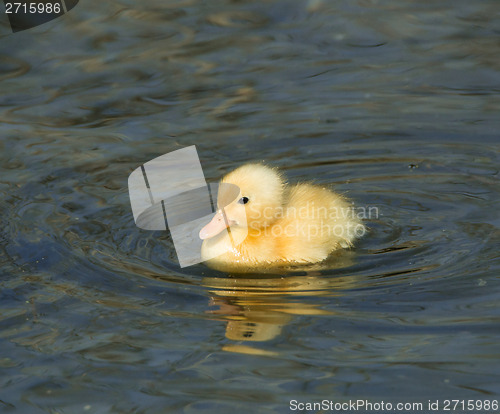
(394, 104)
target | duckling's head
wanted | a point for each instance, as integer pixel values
(257, 205)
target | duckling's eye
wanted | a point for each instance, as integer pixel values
(243, 200)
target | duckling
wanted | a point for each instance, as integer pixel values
(271, 223)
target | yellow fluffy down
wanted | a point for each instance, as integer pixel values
(271, 223)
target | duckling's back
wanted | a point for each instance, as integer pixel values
(316, 222)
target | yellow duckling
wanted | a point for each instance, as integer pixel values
(270, 223)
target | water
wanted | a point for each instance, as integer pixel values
(395, 104)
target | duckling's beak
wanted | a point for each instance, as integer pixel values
(218, 223)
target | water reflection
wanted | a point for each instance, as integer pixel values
(257, 307)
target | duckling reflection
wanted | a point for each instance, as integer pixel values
(258, 307)
(250, 320)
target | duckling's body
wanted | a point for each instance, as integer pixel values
(276, 224)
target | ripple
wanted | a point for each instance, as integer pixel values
(12, 68)
(240, 19)
(412, 234)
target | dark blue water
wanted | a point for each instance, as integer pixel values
(395, 104)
